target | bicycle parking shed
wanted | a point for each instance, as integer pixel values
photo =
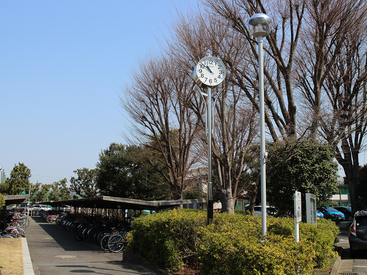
(123, 209)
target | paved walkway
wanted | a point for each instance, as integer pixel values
(346, 265)
(54, 251)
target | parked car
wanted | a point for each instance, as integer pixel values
(358, 232)
(23, 207)
(347, 210)
(270, 210)
(333, 214)
(319, 215)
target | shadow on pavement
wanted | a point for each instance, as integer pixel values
(64, 238)
(360, 254)
(90, 268)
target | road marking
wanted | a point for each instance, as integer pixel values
(65, 256)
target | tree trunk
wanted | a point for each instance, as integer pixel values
(350, 164)
(227, 201)
(352, 183)
(252, 199)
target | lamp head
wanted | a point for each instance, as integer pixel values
(259, 25)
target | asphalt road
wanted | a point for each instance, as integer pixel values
(54, 251)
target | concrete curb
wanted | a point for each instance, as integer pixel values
(27, 263)
(335, 270)
(336, 266)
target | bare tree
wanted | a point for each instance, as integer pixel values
(332, 76)
(237, 132)
(311, 53)
(330, 24)
(157, 103)
(235, 120)
(344, 121)
(281, 48)
(305, 54)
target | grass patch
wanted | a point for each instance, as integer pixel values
(11, 256)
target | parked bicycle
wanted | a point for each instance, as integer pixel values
(13, 226)
(114, 241)
(108, 233)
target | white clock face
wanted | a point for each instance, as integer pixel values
(210, 71)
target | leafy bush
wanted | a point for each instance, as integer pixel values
(2, 201)
(237, 239)
(167, 239)
(176, 238)
(323, 238)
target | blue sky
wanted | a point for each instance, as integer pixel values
(63, 65)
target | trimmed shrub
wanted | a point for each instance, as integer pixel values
(167, 239)
(322, 238)
(240, 241)
(231, 244)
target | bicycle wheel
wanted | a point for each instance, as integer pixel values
(116, 243)
(22, 223)
(21, 232)
(78, 235)
(104, 242)
(26, 222)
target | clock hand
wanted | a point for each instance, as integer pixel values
(210, 71)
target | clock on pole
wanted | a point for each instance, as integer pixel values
(208, 73)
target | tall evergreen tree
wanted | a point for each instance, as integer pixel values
(18, 183)
(123, 172)
(85, 184)
(307, 167)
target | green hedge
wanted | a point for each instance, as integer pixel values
(231, 244)
(167, 239)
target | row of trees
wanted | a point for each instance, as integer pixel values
(315, 88)
(122, 171)
(19, 184)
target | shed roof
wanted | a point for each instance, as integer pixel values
(123, 203)
(15, 199)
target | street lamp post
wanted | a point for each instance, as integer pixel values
(259, 27)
